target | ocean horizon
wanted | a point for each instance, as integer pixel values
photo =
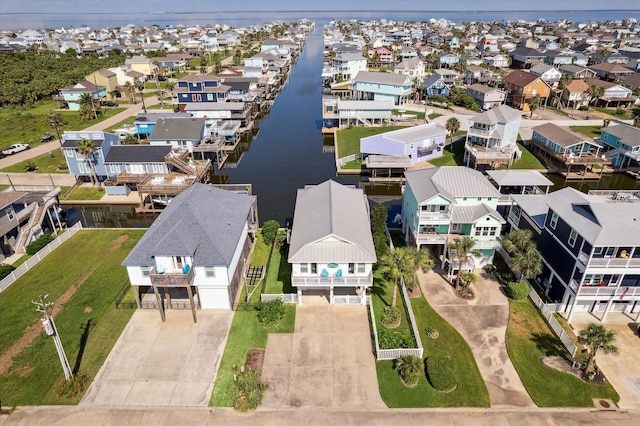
(22, 21)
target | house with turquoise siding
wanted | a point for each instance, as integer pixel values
(623, 144)
(72, 94)
(566, 146)
(382, 86)
(444, 203)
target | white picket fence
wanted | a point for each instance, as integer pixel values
(286, 298)
(347, 300)
(26, 266)
(344, 160)
(547, 314)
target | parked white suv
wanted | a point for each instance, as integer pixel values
(15, 148)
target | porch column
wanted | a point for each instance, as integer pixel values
(364, 295)
(193, 307)
(136, 295)
(575, 301)
(159, 300)
(637, 316)
(606, 310)
(167, 297)
(331, 295)
(299, 296)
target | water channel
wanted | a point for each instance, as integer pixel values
(288, 153)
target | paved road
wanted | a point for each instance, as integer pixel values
(82, 416)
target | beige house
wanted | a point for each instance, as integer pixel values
(107, 79)
(575, 94)
(141, 64)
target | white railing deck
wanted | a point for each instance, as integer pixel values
(286, 298)
(332, 281)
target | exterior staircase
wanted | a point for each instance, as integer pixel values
(34, 225)
(176, 159)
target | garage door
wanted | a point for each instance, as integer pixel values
(214, 297)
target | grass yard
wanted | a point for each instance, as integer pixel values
(589, 131)
(528, 339)
(82, 277)
(471, 390)
(348, 140)
(85, 193)
(279, 273)
(528, 160)
(27, 124)
(246, 333)
(46, 163)
(419, 115)
(454, 158)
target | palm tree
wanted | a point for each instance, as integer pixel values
(130, 88)
(139, 86)
(468, 278)
(460, 250)
(635, 111)
(565, 79)
(517, 241)
(409, 368)
(56, 120)
(396, 265)
(452, 126)
(596, 337)
(419, 259)
(534, 104)
(595, 92)
(86, 148)
(87, 109)
(527, 263)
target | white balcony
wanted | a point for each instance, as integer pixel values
(333, 281)
(433, 217)
(431, 238)
(619, 293)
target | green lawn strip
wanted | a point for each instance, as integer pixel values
(419, 115)
(85, 193)
(246, 333)
(36, 368)
(354, 165)
(27, 124)
(279, 274)
(589, 131)
(529, 338)
(449, 158)
(471, 390)
(528, 160)
(45, 163)
(349, 139)
(434, 116)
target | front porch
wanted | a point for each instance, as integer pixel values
(569, 157)
(335, 290)
(493, 156)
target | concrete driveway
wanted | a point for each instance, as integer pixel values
(326, 363)
(155, 363)
(622, 371)
(482, 322)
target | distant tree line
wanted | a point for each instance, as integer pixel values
(30, 76)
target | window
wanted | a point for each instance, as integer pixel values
(114, 168)
(209, 272)
(361, 268)
(69, 152)
(455, 228)
(572, 237)
(304, 268)
(352, 268)
(554, 220)
(11, 214)
(146, 271)
(209, 97)
(314, 268)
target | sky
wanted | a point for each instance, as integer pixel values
(110, 6)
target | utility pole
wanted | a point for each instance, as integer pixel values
(50, 328)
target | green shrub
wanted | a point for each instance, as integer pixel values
(517, 290)
(269, 231)
(584, 108)
(270, 313)
(5, 270)
(440, 373)
(38, 244)
(30, 166)
(409, 368)
(379, 215)
(71, 388)
(248, 390)
(390, 315)
(393, 339)
(62, 165)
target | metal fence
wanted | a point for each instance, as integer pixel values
(547, 314)
(286, 298)
(26, 266)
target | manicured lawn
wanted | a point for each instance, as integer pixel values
(528, 160)
(381, 294)
(434, 116)
(349, 139)
(454, 158)
(471, 390)
(419, 115)
(85, 193)
(590, 131)
(29, 123)
(46, 163)
(279, 273)
(354, 165)
(246, 333)
(528, 339)
(88, 325)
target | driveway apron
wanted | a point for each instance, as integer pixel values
(482, 322)
(155, 363)
(326, 362)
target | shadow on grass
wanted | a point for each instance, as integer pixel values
(378, 289)
(549, 344)
(83, 343)
(284, 272)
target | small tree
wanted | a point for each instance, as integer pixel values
(379, 216)
(86, 148)
(269, 231)
(461, 249)
(534, 104)
(468, 278)
(396, 264)
(595, 337)
(452, 126)
(409, 368)
(420, 259)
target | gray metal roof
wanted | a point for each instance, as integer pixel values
(203, 222)
(597, 219)
(178, 128)
(382, 78)
(377, 161)
(215, 106)
(451, 182)
(627, 134)
(562, 135)
(137, 153)
(501, 114)
(470, 214)
(365, 105)
(331, 224)
(413, 134)
(519, 178)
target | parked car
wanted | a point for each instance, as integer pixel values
(110, 104)
(46, 138)
(15, 148)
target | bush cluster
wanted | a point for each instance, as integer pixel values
(248, 390)
(409, 368)
(38, 244)
(517, 290)
(270, 313)
(393, 339)
(440, 373)
(390, 315)
(269, 231)
(5, 270)
(71, 388)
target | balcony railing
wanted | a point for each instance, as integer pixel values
(319, 281)
(433, 217)
(171, 278)
(431, 238)
(618, 292)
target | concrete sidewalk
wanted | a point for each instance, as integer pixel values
(483, 324)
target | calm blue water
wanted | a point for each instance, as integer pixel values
(243, 19)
